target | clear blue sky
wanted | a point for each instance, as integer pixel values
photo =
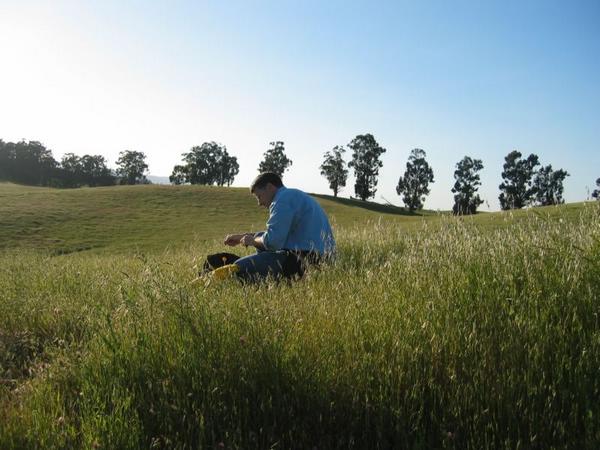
(475, 78)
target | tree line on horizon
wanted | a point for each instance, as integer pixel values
(32, 163)
(524, 184)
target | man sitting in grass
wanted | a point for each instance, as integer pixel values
(298, 234)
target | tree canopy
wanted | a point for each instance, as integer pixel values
(131, 167)
(466, 199)
(548, 186)
(275, 160)
(414, 185)
(207, 164)
(95, 171)
(27, 162)
(517, 189)
(366, 164)
(90, 170)
(32, 163)
(334, 169)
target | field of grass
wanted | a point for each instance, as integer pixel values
(427, 332)
(145, 218)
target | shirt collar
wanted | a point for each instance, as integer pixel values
(279, 192)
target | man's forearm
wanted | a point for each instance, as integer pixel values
(236, 239)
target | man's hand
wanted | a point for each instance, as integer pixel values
(247, 240)
(234, 239)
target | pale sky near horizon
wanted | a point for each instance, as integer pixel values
(477, 78)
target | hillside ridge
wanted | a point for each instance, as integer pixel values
(148, 217)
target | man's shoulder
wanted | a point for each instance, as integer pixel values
(294, 191)
(289, 193)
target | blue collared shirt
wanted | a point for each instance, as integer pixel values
(297, 222)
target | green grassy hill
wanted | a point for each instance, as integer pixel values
(157, 217)
(150, 217)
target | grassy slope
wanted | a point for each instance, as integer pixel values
(126, 218)
(119, 218)
(153, 218)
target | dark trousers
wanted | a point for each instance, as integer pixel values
(280, 264)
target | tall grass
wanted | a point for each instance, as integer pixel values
(445, 337)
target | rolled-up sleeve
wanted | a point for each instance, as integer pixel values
(278, 226)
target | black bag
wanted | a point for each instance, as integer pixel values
(218, 260)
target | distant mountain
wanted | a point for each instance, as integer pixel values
(158, 180)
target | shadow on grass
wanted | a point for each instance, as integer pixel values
(371, 206)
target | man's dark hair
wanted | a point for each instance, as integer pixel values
(265, 178)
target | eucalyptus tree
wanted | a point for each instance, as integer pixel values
(414, 185)
(334, 169)
(131, 167)
(366, 164)
(517, 189)
(275, 159)
(466, 199)
(548, 185)
(207, 164)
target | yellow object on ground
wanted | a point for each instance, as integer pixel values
(224, 272)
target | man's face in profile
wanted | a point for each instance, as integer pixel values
(265, 195)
